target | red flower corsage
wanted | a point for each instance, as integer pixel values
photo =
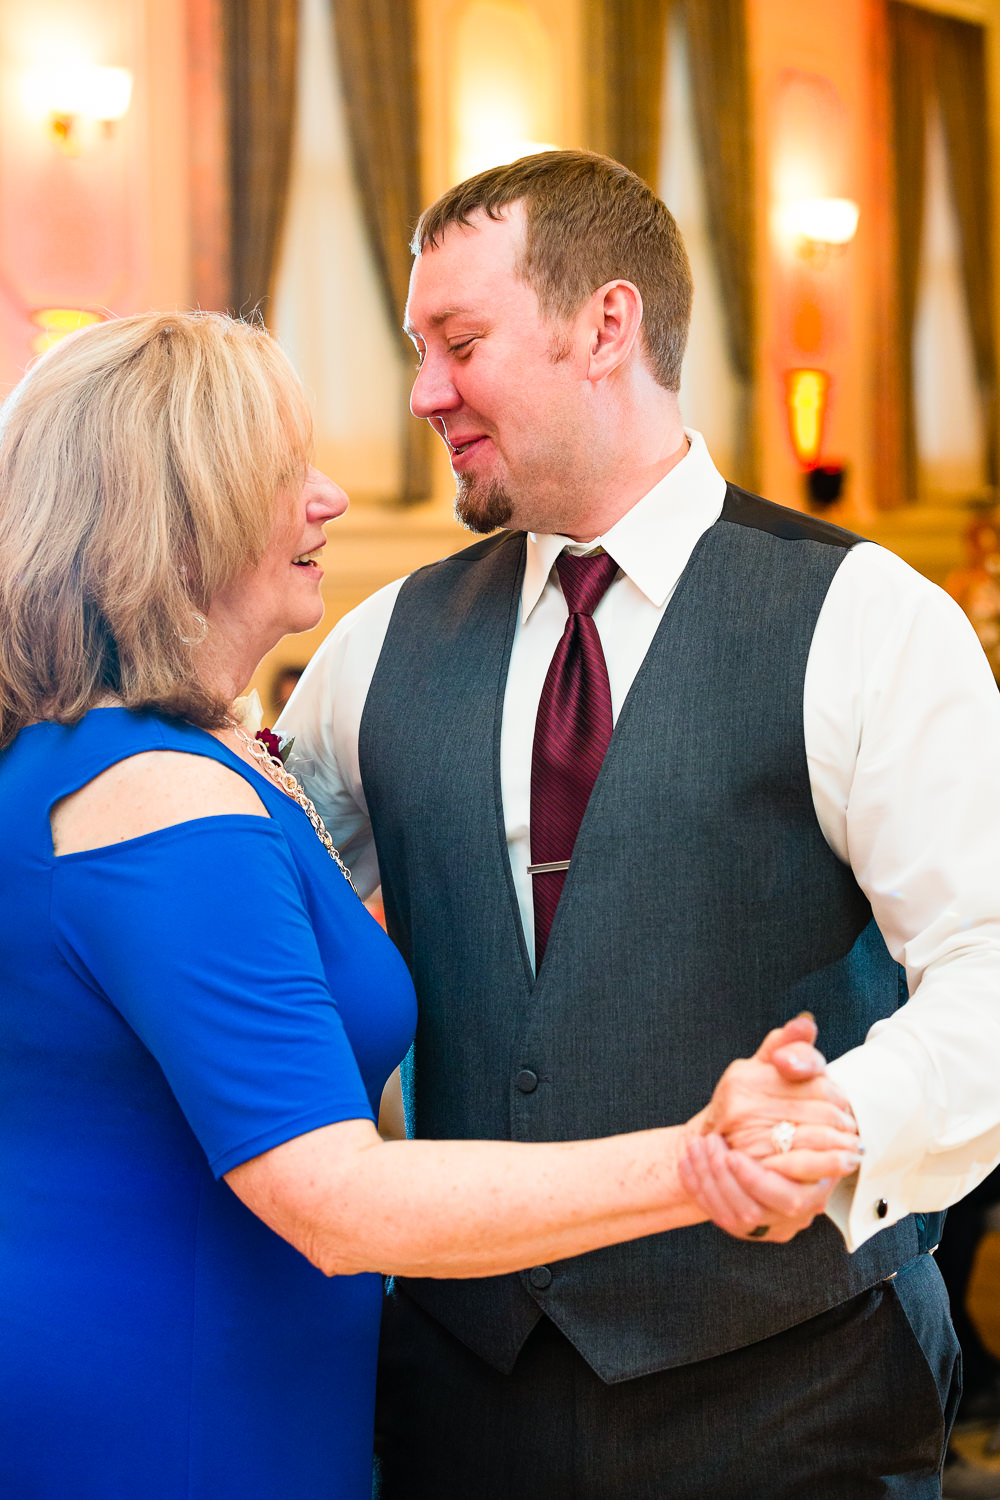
(276, 746)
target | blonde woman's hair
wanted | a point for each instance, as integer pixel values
(141, 462)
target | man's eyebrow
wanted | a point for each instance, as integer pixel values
(436, 319)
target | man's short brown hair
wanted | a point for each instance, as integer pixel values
(589, 220)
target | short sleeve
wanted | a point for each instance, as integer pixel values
(198, 935)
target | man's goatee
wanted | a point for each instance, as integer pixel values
(482, 507)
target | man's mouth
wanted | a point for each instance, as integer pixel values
(458, 449)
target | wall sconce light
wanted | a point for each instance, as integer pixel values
(825, 484)
(494, 150)
(56, 322)
(806, 393)
(821, 227)
(80, 92)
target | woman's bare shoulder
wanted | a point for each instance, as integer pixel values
(153, 790)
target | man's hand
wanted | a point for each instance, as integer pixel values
(785, 1083)
(774, 1140)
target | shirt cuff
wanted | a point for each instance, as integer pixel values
(890, 1107)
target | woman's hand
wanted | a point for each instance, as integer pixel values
(780, 1108)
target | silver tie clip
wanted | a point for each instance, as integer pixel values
(550, 868)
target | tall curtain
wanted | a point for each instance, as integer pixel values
(260, 39)
(720, 88)
(625, 42)
(961, 85)
(938, 57)
(208, 155)
(377, 51)
(912, 83)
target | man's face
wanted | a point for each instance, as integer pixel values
(500, 384)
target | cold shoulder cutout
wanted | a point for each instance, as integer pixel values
(147, 791)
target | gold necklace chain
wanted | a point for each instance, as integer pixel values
(275, 771)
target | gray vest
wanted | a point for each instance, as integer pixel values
(702, 908)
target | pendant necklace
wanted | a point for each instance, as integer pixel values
(275, 771)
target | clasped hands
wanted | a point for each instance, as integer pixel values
(752, 1175)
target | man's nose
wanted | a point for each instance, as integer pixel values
(433, 391)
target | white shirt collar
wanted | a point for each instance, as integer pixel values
(652, 542)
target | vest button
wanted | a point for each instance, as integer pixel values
(540, 1277)
(527, 1081)
(881, 1209)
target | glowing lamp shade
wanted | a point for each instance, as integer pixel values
(73, 96)
(830, 222)
(111, 93)
(56, 322)
(806, 393)
(97, 93)
(488, 149)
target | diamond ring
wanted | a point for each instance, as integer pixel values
(783, 1136)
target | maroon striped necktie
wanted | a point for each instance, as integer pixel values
(572, 732)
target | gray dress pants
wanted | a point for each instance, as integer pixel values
(856, 1402)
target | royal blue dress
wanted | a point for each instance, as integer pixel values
(171, 1006)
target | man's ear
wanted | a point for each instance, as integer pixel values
(615, 323)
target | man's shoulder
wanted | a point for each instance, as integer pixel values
(492, 558)
(366, 624)
(742, 508)
(481, 551)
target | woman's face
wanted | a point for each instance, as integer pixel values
(281, 596)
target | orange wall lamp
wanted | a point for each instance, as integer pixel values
(806, 396)
(819, 229)
(55, 323)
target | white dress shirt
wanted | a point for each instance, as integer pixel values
(902, 733)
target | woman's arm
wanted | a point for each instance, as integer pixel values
(351, 1202)
(237, 1012)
